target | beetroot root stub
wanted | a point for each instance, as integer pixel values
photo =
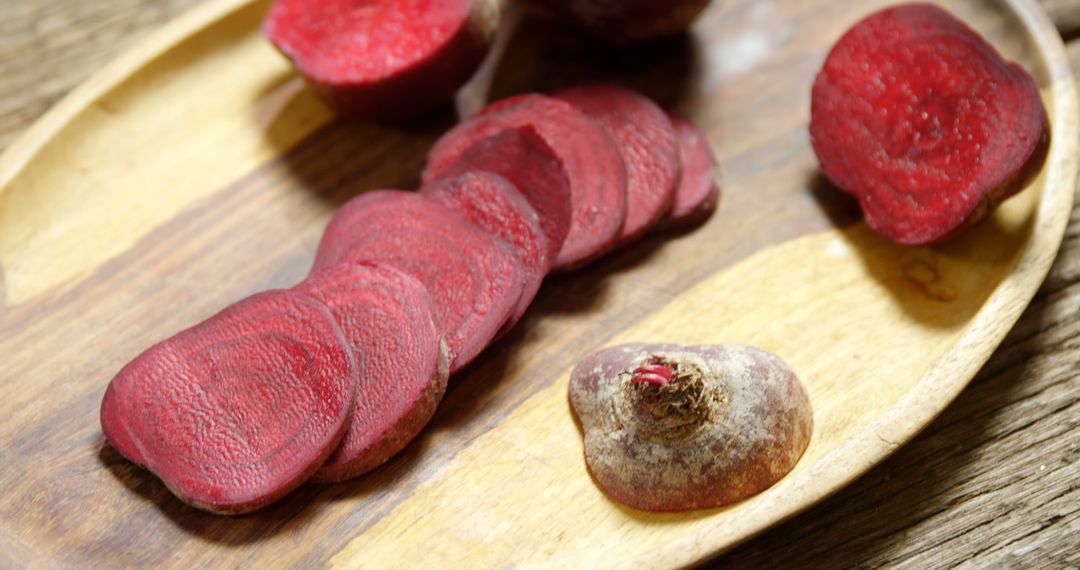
(383, 60)
(496, 206)
(698, 194)
(235, 412)
(648, 144)
(673, 428)
(388, 319)
(924, 122)
(473, 277)
(582, 220)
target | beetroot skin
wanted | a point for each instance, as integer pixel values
(473, 277)
(240, 409)
(648, 144)
(388, 320)
(383, 59)
(494, 205)
(626, 21)
(921, 119)
(593, 168)
(675, 428)
(697, 195)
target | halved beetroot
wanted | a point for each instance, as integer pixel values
(697, 195)
(924, 122)
(240, 409)
(388, 320)
(473, 277)
(383, 59)
(648, 144)
(496, 206)
(592, 165)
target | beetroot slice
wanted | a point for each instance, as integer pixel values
(921, 120)
(648, 144)
(240, 409)
(494, 205)
(593, 168)
(383, 59)
(387, 318)
(473, 278)
(697, 195)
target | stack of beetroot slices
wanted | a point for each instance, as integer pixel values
(329, 379)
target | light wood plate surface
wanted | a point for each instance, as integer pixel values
(197, 169)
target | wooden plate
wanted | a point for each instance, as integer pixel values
(197, 169)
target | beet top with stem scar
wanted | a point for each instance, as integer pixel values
(673, 428)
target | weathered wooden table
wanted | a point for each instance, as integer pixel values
(994, 481)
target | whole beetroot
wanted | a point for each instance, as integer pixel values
(674, 428)
(626, 21)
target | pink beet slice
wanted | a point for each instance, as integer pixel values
(919, 118)
(593, 168)
(383, 59)
(474, 279)
(697, 195)
(648, 144)
(388, 320)
(673, 428)
(240, 409)
(494, 205)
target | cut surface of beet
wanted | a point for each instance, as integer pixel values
(697, 195)
(924, 122)
(496, 206)
(474, 279)
(238, 410)
(596, 202)
(383, 59)
(648, 145)
(388, 320)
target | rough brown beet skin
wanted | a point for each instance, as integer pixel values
(474, 278)
(728, 422)
(388, 320)
(919, 118)
(625, 21)
(235, 412)
(494, 205)
(648, 144)
(697, 195)
(593, 167)
(383, 59)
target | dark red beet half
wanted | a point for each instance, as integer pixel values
(474, 279)
(697, 195)
(919, 118)
(593, 167)
(240, 409)
(383, 59)
(648, 144)
(494, 205)
(388, 319)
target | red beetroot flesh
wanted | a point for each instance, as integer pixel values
(697, 196)
(595, 205)
(474, 279)
(383, 59)
(388, 320)
(240, 409)
(648, 144)
(494, 205)
(920, 118)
